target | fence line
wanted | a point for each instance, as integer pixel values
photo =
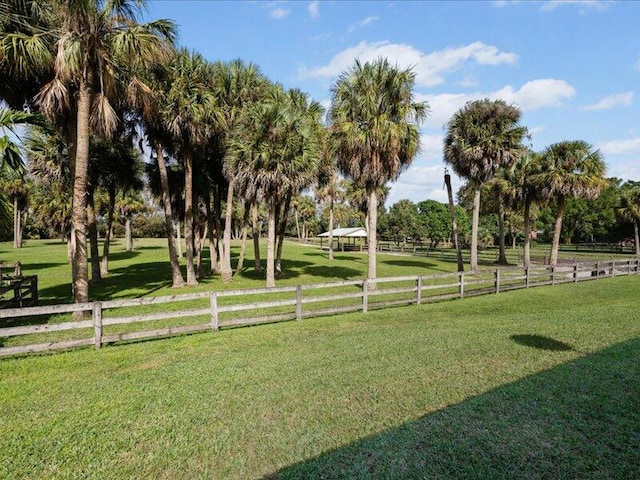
(414, 289)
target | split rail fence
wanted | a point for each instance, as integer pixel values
(114, 321)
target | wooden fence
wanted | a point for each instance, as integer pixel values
(224, 309)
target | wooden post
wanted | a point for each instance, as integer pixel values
(575, 272)
(97, 323)
(526, 277)
(461, 283)
(553, 274)
(497, 280)
(419, 290)
(365, 296)
(213, 299)
(299, 302)
(598, 270)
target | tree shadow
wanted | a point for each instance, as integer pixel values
(577, 420)
(413, 263)
(541, 342)
(330, 271)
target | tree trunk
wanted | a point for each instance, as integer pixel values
(527, 230)
(454, 223)
(372, 225)
(79, 211)
(474, 230)
(243, 244)
(92, 227)
(297, 226)
(213, 251)
(225, 264)
(128, 236)
(17, 240)
(331, 228)
(217, 211)
(178, 228)
(281, 231)
(104, 267)
(177, 280)
(188, 216)
(256, 238)
(636, 236)
(271, 243)
(502, 257)
(555, 246)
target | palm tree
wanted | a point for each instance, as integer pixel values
(630, 210)
(191, 115)
(569, 169)
(95, 43)
(482, 137)
(374, 130)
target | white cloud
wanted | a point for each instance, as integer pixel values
(467, 83)
(620, 147)
(430, 68)
(531, 96)
(431, 146)
(421, 182)
(611, 101)
(279, 13)
(314, 9)
(363, 23)
(585, 4)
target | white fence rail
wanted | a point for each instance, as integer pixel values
(353, 295)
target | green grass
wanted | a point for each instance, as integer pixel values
(543, 383)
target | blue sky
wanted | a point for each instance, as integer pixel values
(572, 66)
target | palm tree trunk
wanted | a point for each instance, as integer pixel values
(16, 223)
(527, 230)
(271, 242)
(298, 226)
(79, 211)
(454, 222)
(555, 246)
(474, 230)
(225, 264)
(128, 236)
(92, 227)
(372, 225)
(213, 251)
(502, 257)
(104, 268)
(188, 216)
(636, 236)
(179, 239)
(256, 238)
(281, 231)
(331, 228)
(177, 279)
(243, 244)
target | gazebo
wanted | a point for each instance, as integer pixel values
(348, 233)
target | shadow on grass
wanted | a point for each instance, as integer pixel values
(542, 343)
(329, 272)
(578, 420)
(413, 263)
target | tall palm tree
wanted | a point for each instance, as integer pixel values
(191, 115)
(629, 210)
(483, 137)
(94, 43)
(569, 169)
(374, 130)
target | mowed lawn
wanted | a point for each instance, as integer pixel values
(540, 383)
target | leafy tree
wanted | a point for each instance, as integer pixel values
(374, 130)
(629, 209)
(436, 219)
(483, 137)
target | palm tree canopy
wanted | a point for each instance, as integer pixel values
(374, 122)
(571, 169)
(483, 137)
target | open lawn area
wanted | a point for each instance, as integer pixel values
(541, 383)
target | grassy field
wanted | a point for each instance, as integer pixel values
(542, 383)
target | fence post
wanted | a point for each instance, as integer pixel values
(575, 273)
(629, 269)
(419, 290)
(213, 299)
(97, 323)
(299, 302)
(461, 284)
(553, 274)
(613, 267)
(365, 295)
(526, 277)
(497, 280)
(598, 270)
